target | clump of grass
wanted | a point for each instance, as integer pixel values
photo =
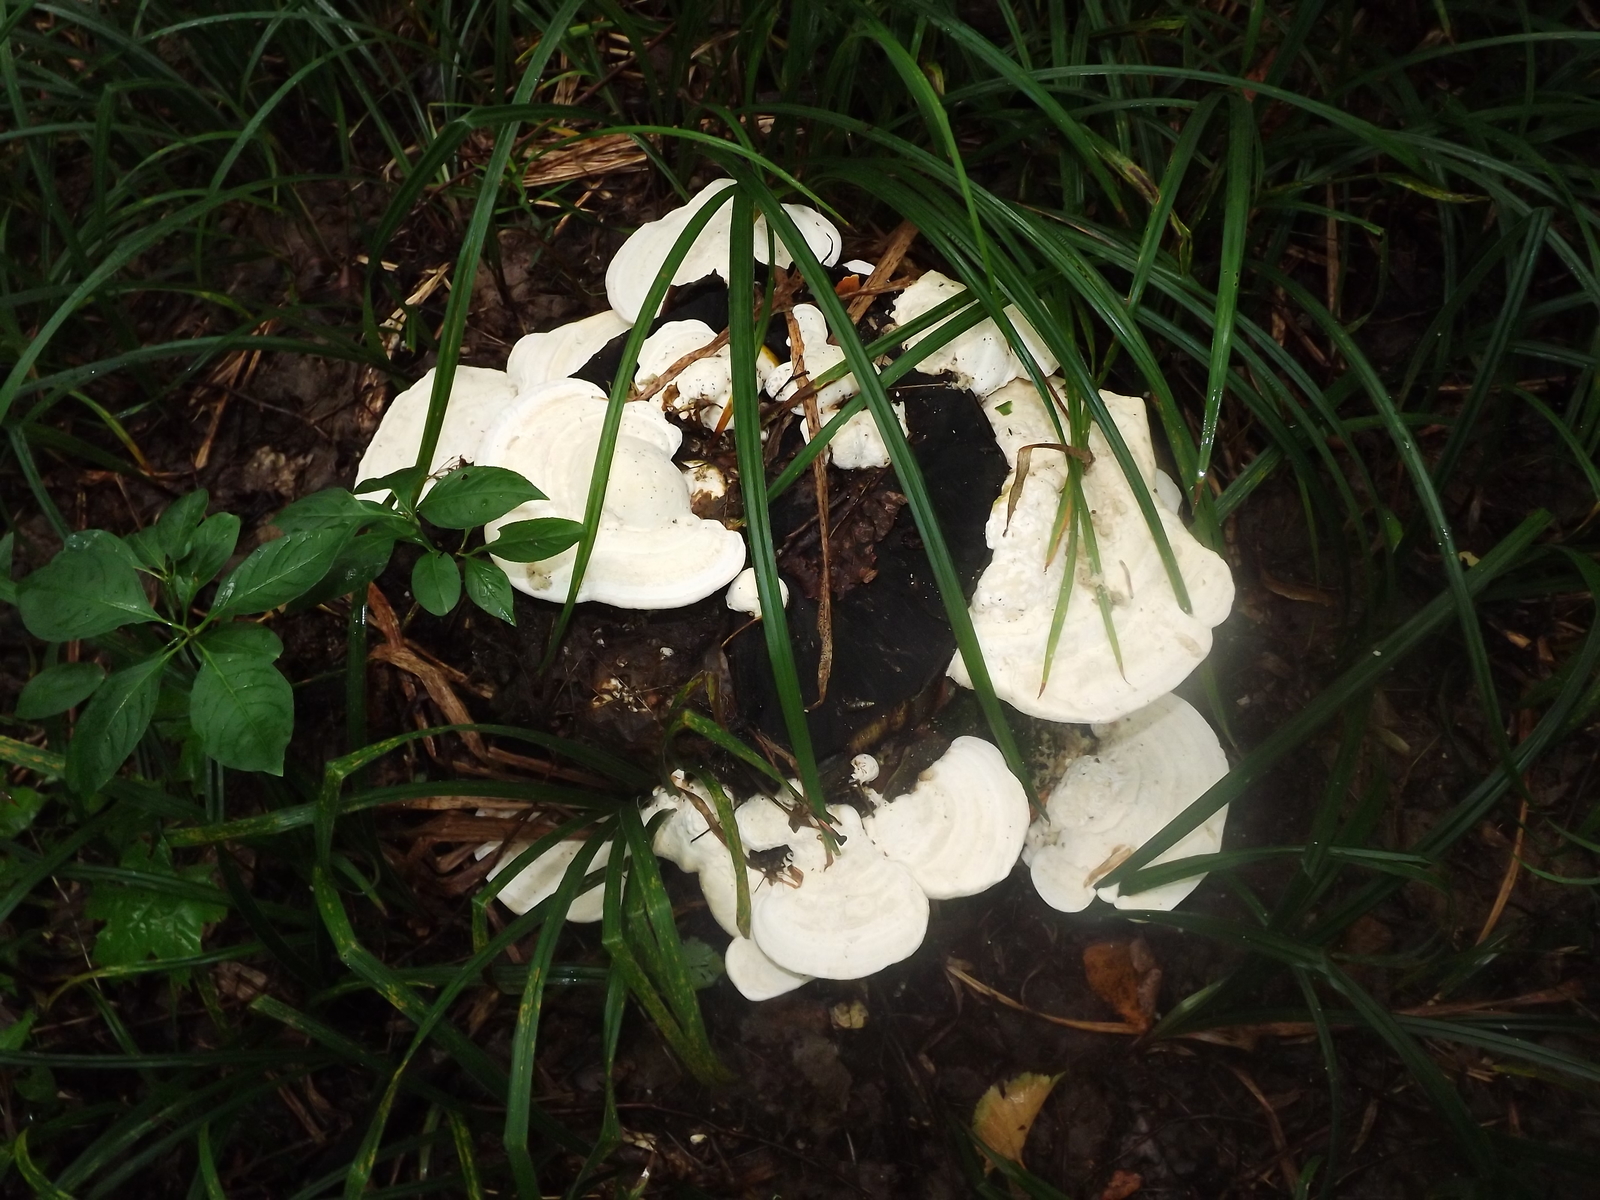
(1208, 207)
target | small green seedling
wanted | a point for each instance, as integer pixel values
(207, 671)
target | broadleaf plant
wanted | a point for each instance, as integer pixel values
(218, 660)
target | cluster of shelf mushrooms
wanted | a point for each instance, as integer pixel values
(853, 898)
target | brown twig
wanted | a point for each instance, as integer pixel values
(983, 989)
(899, 242)
(819, 477)
(682, 364)
(1291, 1173)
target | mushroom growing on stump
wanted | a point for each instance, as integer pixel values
(743, 595)
(980, 359)
(539, 880)
(542, 357)
(960, 830)
(703, 388)
(1016, 597)
(857, 445)
(652, 552)
(1147, 769)
(853, 912)
(686, 840)
(635, 266)
(478, 398)
(850, 911)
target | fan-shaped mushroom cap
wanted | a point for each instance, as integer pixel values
(540, 878)
(857, 445)
(980, 359)
(540, 357)
(846, 919)
(478, 398)
(1167, 491)
(635, 266)
(959, 831)
(686, 840)
(652, 551)
(1148, 768)
(704, 387)
(755, 975)
(819, 355)
(744, 597)
(1016, 596)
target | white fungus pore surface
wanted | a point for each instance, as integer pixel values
(1016, 597)
(651, 551)
(539, 879)
(635, 266)
(980, 359)
(478, 398)
(1147, 769)
(543, 357)
(960, 830)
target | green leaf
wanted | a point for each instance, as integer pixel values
(147, 547)
(176, 526)
(18, 807)
(15, 1035)
(83, 592)
(489, 589)
(142, 924)
(530, 541)
(242, 637)
(361, 561)
(702, 963)
(436, 582)
(243, 709)
(333, 507)
(58, 688)
(338, 508)
(210, 547)
(279, 571)
(401, 482)
(37, 1085)
(100, 539)
(470, 496)
(113, 723)
(8, 589)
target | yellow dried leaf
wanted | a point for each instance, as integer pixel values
(1007, 1111)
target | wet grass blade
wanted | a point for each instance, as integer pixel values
(477, 232)
(1367, 669)
(1241, 187)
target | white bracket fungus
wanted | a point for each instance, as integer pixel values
(840, 914)
(850, 911)
(635, 266)
(542, 357)
(702, 388)
(539, 879)
(980, 359)
(1147, 769)
(652, 551)
(857, 445)
(478, 398)
(743, 596)
(853, 913)
(960, 830)
(1016, 596)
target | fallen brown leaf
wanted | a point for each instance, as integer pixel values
(1007, 1111)
(1122, 1185)
(1125, 976)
